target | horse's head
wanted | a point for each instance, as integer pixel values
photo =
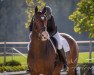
(40, 24)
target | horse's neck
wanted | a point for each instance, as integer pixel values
(38, 47)
(36, 42)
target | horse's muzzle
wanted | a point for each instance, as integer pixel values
(45, 36)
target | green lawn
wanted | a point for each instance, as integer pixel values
(19, 58)
(82, 58)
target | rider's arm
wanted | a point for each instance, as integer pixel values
(30, 28)
(51, 27)
(31, 25)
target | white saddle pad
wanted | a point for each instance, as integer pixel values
(65, 44)
(62, 42)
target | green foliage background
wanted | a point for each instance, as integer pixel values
(83, 17)
(30, 9)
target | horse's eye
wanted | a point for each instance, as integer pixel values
(42, 18)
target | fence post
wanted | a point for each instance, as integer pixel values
(78, 71)
(4, 52)
(12, 54)
(90, 52)
(92, 69)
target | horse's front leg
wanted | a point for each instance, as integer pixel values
(48, 73)
(57, 69)
(34, 73)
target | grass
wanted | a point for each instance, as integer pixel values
(13, 68)
(82, 58)
(19, 58)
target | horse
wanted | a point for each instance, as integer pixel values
(42, 57)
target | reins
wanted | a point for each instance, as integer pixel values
(53, 45)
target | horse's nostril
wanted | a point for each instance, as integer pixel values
(42, 35)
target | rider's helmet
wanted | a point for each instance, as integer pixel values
(48, 12)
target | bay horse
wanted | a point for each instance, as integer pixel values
(42, 58)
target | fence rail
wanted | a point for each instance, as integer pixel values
(14, 42)
(28, 42)
(90, 46)
(25, 43)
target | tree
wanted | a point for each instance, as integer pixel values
(83, 17)
(30, 9)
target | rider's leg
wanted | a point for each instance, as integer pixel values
(62, 57)
(60, 50)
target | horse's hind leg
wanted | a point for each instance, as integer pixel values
(72, 70)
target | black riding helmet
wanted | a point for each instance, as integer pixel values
(48, 12)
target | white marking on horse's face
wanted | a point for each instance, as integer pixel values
(45, 35)
(42, 18)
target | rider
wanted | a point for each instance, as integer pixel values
(52, 30)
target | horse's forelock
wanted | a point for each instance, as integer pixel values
(39, 13)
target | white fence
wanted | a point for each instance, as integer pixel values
(90, 45)
(28, 42)
(25, 43)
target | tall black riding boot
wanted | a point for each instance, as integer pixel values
(62, 57)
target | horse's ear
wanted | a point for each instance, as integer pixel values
(36, 9)
(44, 10)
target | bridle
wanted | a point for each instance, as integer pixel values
(43, 28)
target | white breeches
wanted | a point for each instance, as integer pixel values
(62, 42)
